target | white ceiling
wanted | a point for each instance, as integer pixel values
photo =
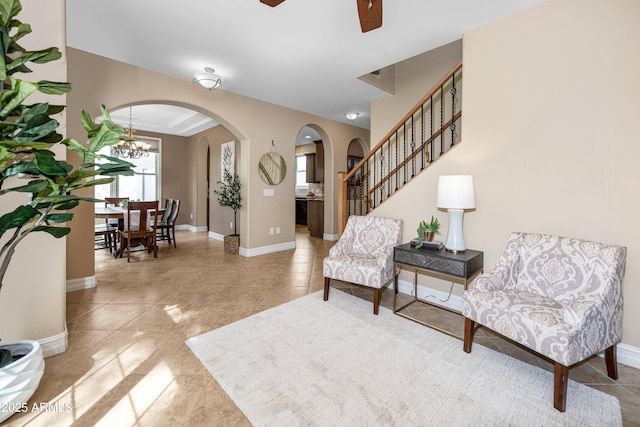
(166, 119)
(305, 55)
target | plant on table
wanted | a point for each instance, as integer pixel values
(426, 232)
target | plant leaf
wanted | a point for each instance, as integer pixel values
(17, 218)
(56, 232)
(59, 217)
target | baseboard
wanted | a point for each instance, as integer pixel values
(216, 236)
(331, 237)
(191, 228)
(81, 283)
(56, 344)
(267, 249)
(257, 251)
(626, 354)
(453, 302)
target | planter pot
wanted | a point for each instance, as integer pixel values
(231, 244)
(20, 379)
(428, 236)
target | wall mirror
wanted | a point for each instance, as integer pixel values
(272, 168)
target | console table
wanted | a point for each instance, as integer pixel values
(461, 268)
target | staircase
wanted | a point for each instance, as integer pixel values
(420, 138)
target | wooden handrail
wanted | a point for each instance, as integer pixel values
(405, 118)
(415, 153)
(405, 148)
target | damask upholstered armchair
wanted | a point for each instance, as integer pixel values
(364, 254)
(558, 296)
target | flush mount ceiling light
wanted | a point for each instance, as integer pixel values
(351, 116)
(207, 79)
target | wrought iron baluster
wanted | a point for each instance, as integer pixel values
(431, 134)
(388, 180)
(397, 154)
(373, 182)
(404, 152)
(413, 149)
(365, 189)
(381, 176)
(441, 119)
(453, 109)
(422, 136)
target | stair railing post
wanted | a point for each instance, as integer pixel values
(342, 202)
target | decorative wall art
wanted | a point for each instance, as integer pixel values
(227, 158)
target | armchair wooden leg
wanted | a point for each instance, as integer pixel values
(469, 331)
(560, 381)
(376, 300)
(610, 358)
(326, 288)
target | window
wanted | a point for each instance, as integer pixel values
(144, 184)
(301, 172)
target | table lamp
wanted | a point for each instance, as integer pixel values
(455, 194)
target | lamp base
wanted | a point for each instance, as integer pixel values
(456, 251)
(455, 239)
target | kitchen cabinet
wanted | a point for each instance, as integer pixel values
(301, 211)
(315, 217)
(315, 164)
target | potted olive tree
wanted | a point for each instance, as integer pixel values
(28, 133)
(229, 197)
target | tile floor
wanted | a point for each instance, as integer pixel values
(128, 364)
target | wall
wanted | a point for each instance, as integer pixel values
(174, 161)
(253, 123)
(414, 78)
(550, 130)
(32, 300)
(219, 218)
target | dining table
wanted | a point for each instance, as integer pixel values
(116, 212)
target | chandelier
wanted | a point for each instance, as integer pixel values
(130, 147)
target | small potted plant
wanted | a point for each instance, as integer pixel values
(426, 232)
(229, 197)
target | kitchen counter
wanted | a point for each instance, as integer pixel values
(310, 212)
(321, 198)
(315, 216)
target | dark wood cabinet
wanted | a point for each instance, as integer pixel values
(315, 217)
(315, 164)
(311, 167)
(301, 211)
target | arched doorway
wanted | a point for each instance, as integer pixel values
(313, 163)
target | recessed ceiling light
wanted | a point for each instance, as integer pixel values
(352, 115)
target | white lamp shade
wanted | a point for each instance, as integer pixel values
(456, 192)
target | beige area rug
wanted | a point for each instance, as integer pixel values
(316, 363)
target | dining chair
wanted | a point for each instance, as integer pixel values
(140, 227)
(171, 223)
(105, 237)
(162, 235)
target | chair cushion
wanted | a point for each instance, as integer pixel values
(363, 269)
(535, 321)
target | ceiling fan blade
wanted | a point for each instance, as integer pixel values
(370, 13)
(272, 3)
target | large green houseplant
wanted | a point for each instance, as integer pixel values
(229, 197)
(28, 165)
(27, 136)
